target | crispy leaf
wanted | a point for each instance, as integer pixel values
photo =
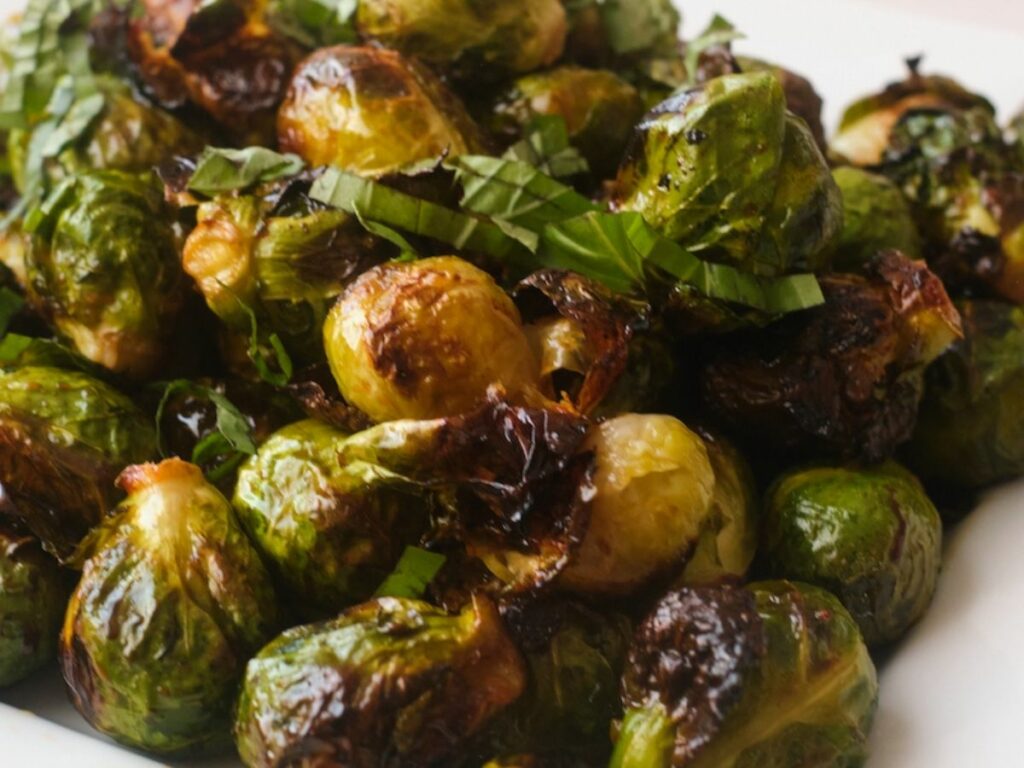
(221, 170)
(412, 575)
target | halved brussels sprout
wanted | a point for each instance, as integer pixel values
(801, 98)
(970, 431)
(427, 339)
(330, 532)
(869, 535)
(844, 379)
(371, 111)
(876, 217)
(388, 682)
(33, 594)
(654, 491)
(104, 267)
(471, 38)
(719, 677)
(64, 437)
(172, 603)
(725, 170)
(600, 110)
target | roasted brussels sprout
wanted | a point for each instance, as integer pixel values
(600, 110)
(776, 674)
(104, 267)
(876, 217)
(427, 339)
(33, 594)
(470, 38)
(64, 437)
(970, 431)
(370, 111)
(654, 491)
(801, 98)
(1016, 135)
(408, 685)
(173, 602)
(286, 267)
(725, 170)
(331, 533)
(869, 535)
(844, 379)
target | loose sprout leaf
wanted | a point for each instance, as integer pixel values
(546, 147)
(10, 305)
(719, 32)
(413, 574)
(383, 205)
(315, 23)
(221, 170)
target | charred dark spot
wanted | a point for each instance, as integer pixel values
(695, 136)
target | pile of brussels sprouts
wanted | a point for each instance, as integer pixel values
(449, 383)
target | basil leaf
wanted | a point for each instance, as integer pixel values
(315, 23)
(413, 574)
(221, 170)
(261, 356)
(546, 147)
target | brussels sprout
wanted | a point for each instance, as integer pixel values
(427, 339)
(574, 659)
(869, 535)
(104, 266)
(471, 38)
(172, 603)
(32, 599)
(370, 111)
(1016, 134)
(801, 98)
(64, 437)
(844, 379)
(773, 675)
(728, 543)
(331, 533)
(285, 266)
(654, 490)
(600, 110)
(725, 170)
(408, 685)
(970, 431)
(866, 125)
(876, 217)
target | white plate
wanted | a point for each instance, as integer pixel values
(953, 694)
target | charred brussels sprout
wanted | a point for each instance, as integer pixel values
(409, 685)
(64, 437)
(719, 677)
(600, 110)
(473, 39)
(876, 217)
(331, 533)
(104, 267)
(370, 111)
(868, 535)
(970, 431)
(725, 170)
(654, 491)
(427, 339)
(33, 594)
(172, 603)
(801, 98)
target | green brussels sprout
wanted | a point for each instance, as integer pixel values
(104, 267)
(284, 266)
(876, 217)
(427, 339)
(372, 112)
(64, 437)
(869, 535)
(406, 683)
(654, 488)
(172, 604)
(600, 110)
(473, 39)
(33, 594)
(970, 431)
(574, 659)
(330, 533)
(1016, 135)
(773, 675)
(801, 98)
(725, 170)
